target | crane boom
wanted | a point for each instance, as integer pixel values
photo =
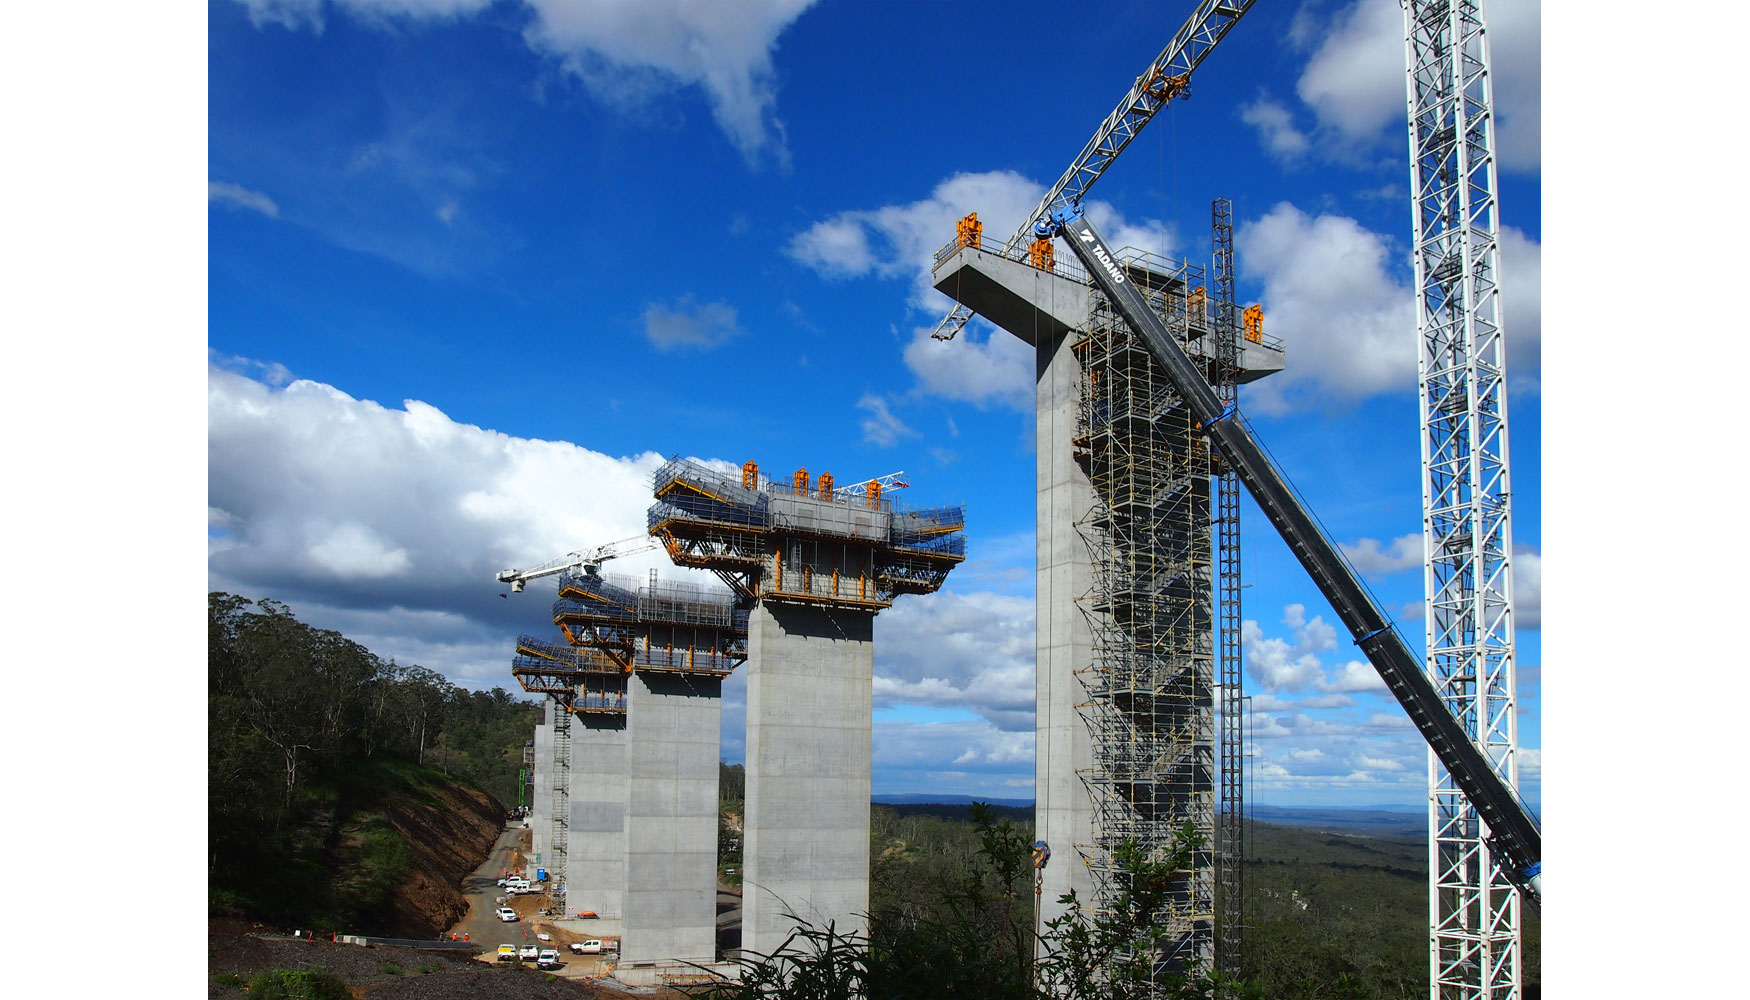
(1515, 834)
(1167, 77)
(589, 560)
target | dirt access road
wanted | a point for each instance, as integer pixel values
(483, 927)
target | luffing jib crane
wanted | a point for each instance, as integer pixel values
(588, 560)
(1168, 77)
(1514, 833)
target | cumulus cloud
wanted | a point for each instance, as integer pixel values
(881, 427)
(1369, 556)
(1276, 130)
(965, 758)
(1355, 79)
(689, 326)
(1348, 316)
(627, 53)
(982, 365)
(237, 196)
(1280, 665)
(390, 523)
(972, 651)
(1527, 588)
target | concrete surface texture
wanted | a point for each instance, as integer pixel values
(673, 722)
(541, 798)
(1063, 810)
(596, 877)
(809, 698)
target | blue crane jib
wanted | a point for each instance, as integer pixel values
(1511, 829)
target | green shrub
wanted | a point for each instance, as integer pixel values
(227, 979)
(297, 984)
(426, 970)
(390, 969)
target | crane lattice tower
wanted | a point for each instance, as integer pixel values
(1473, 907)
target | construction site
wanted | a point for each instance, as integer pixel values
(1142, 453)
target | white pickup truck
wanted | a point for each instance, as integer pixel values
(591, 947)
(549, 959)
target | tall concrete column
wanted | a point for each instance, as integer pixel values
(541, 802)
(1064, 811)
(673, 723)
(596, 877)
(809, 698)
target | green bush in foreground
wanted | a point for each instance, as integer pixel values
(974, 946)
(297, 984)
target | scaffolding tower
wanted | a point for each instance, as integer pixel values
(1231, 846)
(1150, 689)
(1473, 908)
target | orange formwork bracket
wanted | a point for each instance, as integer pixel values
(750, 474)
(1253, 323)
(1197, 303)
(1041, 254)
(969, 232)
(800, 482)
(826, 486)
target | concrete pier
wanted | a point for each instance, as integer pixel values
(596, 878)
(541, 799)
(809, 697)
(673, 724)
(1064, 642)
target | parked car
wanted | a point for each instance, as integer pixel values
(549, 959)
(516, 885)
(507, 953)
(529, 953)
(507, 915)
(591, 947)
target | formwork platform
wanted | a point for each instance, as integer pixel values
(814, 564)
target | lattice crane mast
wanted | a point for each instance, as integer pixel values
(588, 560)
(1169, 76)
(1511, 830)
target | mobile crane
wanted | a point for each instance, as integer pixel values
(1511, 831)
(588, 560)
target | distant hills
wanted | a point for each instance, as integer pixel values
(1378, 821)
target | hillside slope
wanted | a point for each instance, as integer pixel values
(381, 848)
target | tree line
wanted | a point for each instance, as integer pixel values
(296, 718)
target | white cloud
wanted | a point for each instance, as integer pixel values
(881, 427)
(1348, 316)
(235, 195)
(1275, 125)
(389, 524)
(1349, 325)
(1279, 665)
(688, 326)
(1367, 556)
(982, 365)
(628, 53)
(628, 50)
(959, 650)
(1353, 677)
(1355, 81)
(1527, 588)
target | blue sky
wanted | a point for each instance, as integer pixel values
(474, 269)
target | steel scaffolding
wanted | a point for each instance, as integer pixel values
(1473, 908)
(1150, 688)
(799, 540)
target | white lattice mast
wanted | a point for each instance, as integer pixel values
(1474, 949)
